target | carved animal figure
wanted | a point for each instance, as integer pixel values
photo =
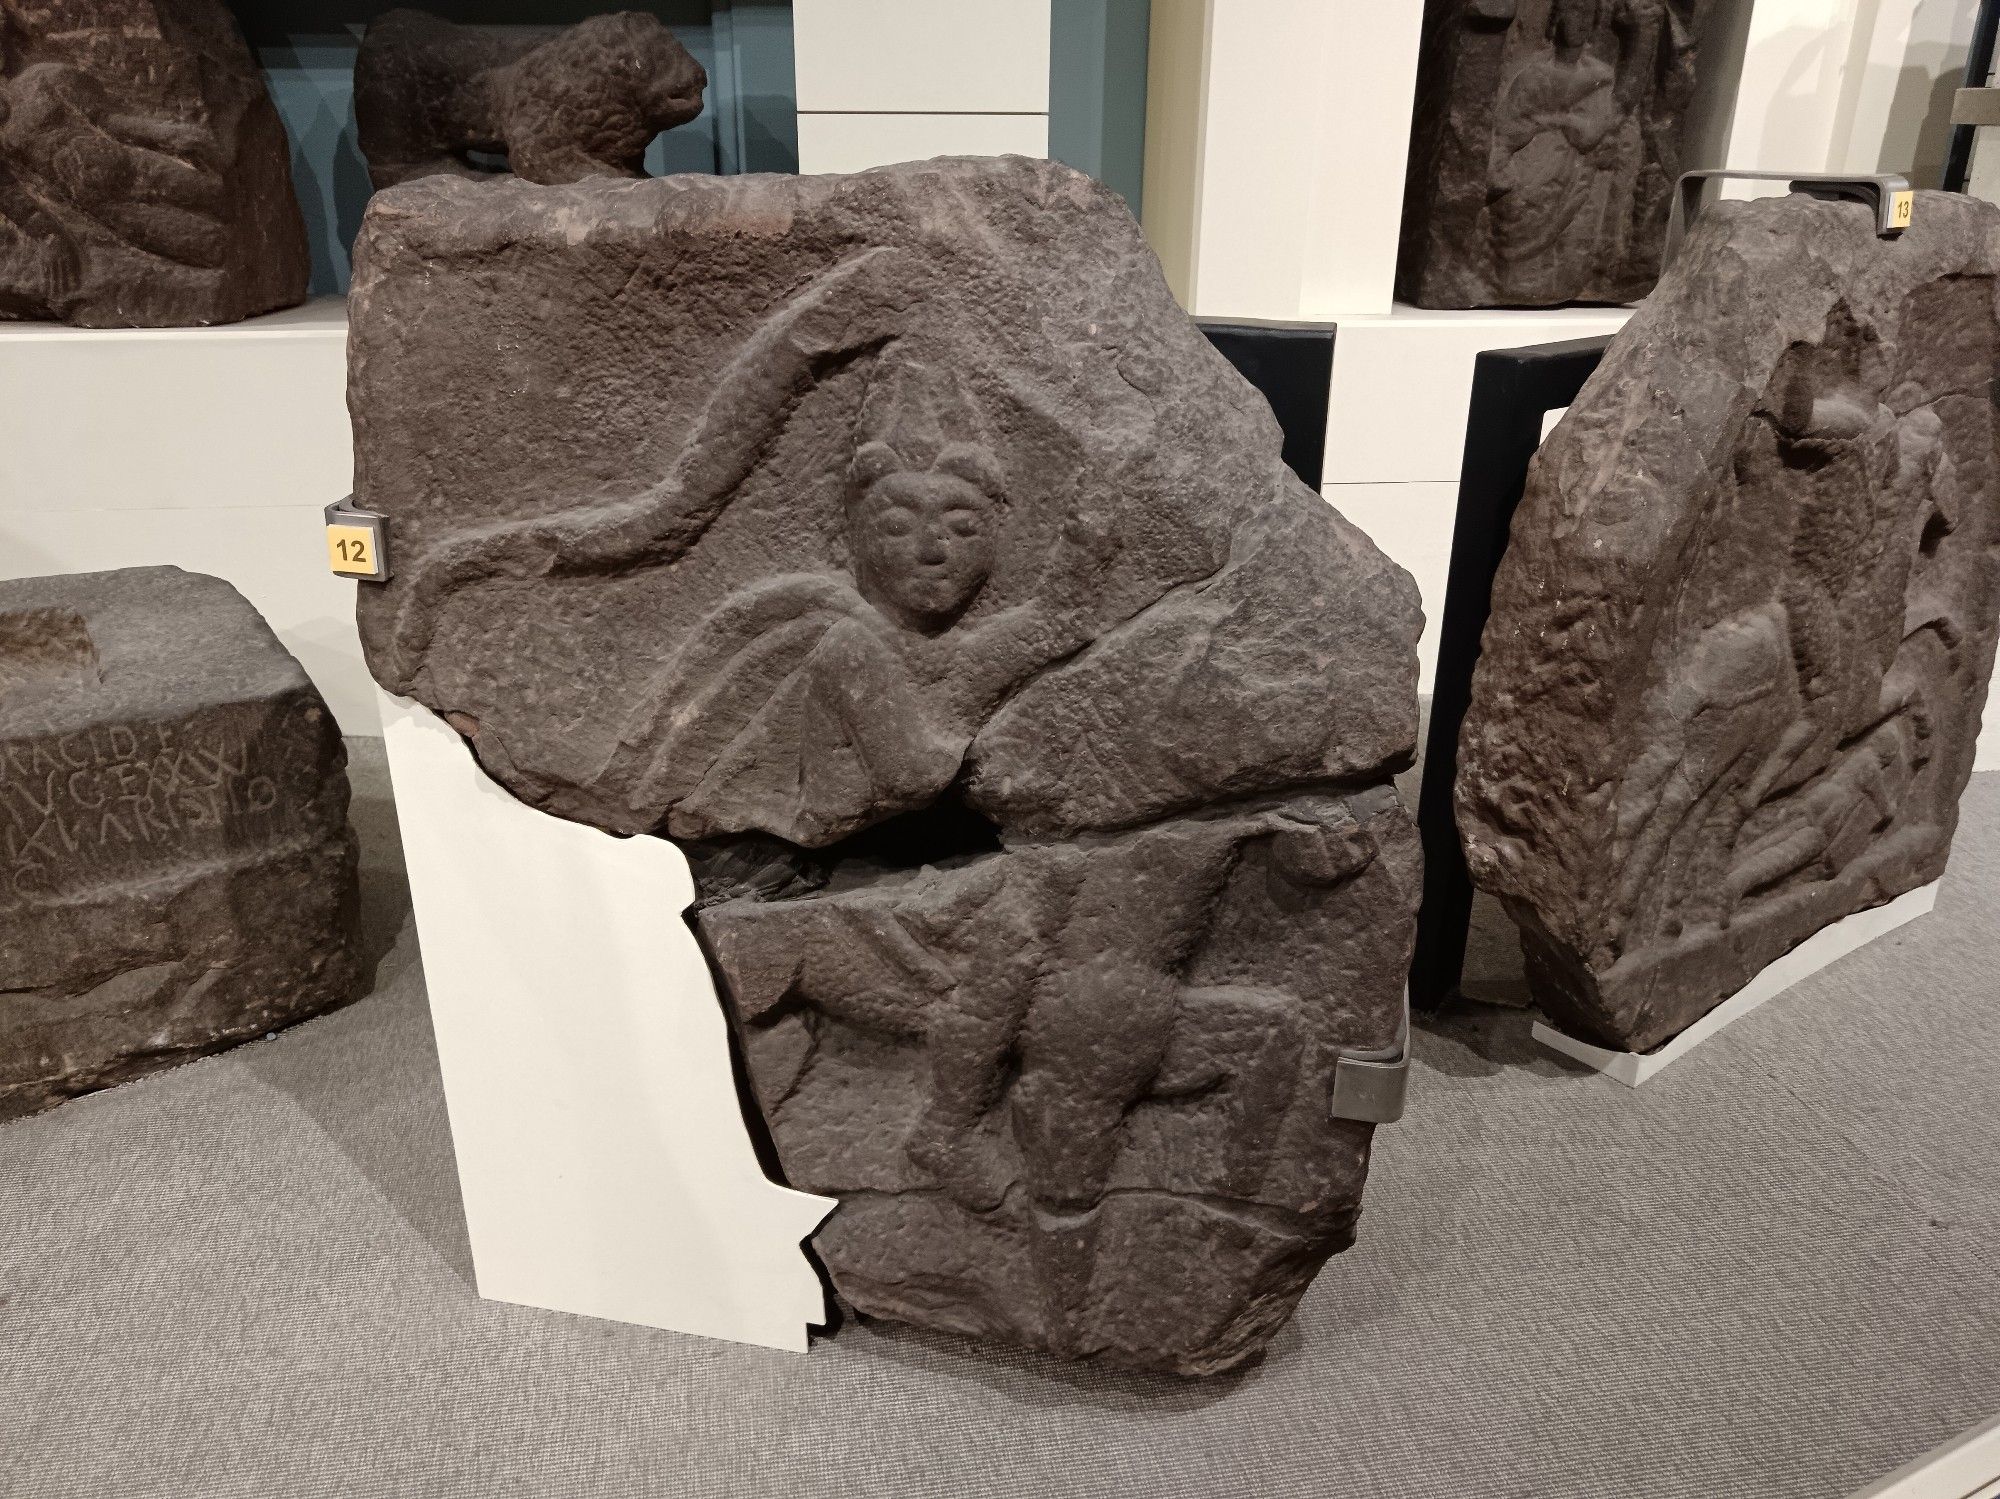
(559, 104)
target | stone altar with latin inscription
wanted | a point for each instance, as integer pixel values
(176, 871)
(898, 547)
(1547, 139)
(1730, 690)
(145, 178)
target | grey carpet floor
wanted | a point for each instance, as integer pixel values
(1772, 1271)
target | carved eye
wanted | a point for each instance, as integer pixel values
(962, 522)
(893, 523)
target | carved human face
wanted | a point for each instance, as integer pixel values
(1575, 21)
(923, 545)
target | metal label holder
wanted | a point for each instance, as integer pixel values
(357, 542)
(1887, 193)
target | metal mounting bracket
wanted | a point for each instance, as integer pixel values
(1886, 192)
(357, 541)
(1370, 1085)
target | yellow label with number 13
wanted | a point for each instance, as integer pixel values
(350, 550)
(1901, 206)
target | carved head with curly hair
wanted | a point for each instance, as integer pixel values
(923, 513)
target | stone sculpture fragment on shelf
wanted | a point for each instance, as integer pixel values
(145, 179)
(1546, 142)
(895, 545)
(1730, 690)
(558, 103)
(178, 873)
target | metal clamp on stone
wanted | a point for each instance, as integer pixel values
(1888, 194)
(1371, 1086)
(357, 541)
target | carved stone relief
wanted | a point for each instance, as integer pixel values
(176, 872)
(1730, 690)
(894, 544)
(1547, 139)
(145, 179)
(558, 103)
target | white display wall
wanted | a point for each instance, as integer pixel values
(881, 81)
(1277, 136)
(214, 449)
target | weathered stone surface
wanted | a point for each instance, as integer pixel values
(176, 873)
(1547, 139)
(1731, 686)
(560, 103)
(896, 544)
(145, 180)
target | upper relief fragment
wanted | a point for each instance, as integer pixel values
(801, 501)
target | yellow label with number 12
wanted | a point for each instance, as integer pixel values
(1901, 206)
(351, 551)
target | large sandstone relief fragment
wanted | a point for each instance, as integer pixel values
(896, 546)
(1546, 142)
(1731, 686)
(176, 871)
(145, 179)
(559, 103)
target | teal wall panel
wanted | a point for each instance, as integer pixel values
(1097, 90)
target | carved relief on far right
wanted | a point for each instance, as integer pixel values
(1730, 691)
(1547, 140)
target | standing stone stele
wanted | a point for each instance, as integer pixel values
(1547, 139)
(176, 871)
(895, 545)
(1730, 690)
(145, 179)
(559, 103)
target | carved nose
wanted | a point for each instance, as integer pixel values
(931, 551)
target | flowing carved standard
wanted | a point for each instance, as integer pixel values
(1731, 686)
(176, 873)
(559, 103)
(897, 546)
(1547, 140)
(145, 180)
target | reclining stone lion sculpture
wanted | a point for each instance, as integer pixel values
(560, 104)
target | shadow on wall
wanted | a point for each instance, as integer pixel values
(1920, 123)
(307, 49)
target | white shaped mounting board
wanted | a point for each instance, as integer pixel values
(602, 1151)
(1826, 946)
